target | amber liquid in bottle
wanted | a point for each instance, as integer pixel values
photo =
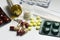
(16, 9)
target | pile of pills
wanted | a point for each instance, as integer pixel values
(51, 28)
(35, 22)
(25, 26)
(4, 19)
(21, 28)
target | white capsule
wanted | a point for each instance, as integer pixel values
(26, 30)
(18, 25)
(16, 28)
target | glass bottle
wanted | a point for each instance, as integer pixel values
(15, 9)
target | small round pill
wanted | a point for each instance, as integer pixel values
(29, 28)
(38, 20)
(34, 24)
(31, 18)
(38, 24)
(38, 17)
(37, 27)
(30, 24)
(32, 21)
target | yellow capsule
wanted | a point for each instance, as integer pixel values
(37, 27)
(29, 28)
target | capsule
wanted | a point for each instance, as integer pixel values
(1, 21)
(56, 25)
(20, 32)
(26, 30)
(12, 28)
(45, 30)
(54, 31)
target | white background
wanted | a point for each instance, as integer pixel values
(5, 34)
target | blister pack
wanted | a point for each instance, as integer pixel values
(42, 3)
(50, 28)
(4, 19)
